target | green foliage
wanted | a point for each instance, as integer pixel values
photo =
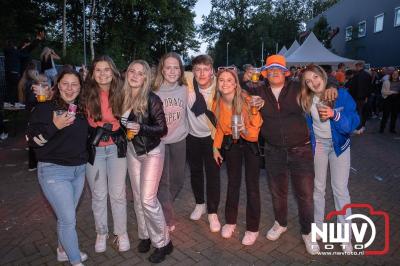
(247, 24)
(321, 30)
(124, 29)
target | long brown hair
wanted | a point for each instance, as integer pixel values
(305, 97)
(138, 104)
(91, 92)
(239, 100)
(159, 76)
(59, 102)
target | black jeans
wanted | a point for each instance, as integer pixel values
(199, 153)
(296, 163)
(234, 157)
(390, 108)
(362, 110)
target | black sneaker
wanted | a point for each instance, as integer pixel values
(160, 253)
(144, 245)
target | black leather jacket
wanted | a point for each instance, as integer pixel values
(152, 127)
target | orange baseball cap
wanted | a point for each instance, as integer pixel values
(274, 61)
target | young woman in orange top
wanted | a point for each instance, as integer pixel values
(230, 101)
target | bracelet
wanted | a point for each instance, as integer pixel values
(215, 149)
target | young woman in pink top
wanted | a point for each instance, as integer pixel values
(106, 170)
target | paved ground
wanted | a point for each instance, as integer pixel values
(27, 224)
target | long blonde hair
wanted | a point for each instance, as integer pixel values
(305, 97)
(239, 100)
(137, 104)
(159, 79)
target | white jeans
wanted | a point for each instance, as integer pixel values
(145, 173)
(108, 174)
(340, 170)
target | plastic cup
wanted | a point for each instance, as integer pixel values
(41, 95)
(255, 77)
(236, 122)
(130, 133)
(253, 106)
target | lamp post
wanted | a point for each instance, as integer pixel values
(227, 53)
(262, 52)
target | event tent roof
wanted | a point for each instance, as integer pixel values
(312, 51)
(283, 50)
(295, 45)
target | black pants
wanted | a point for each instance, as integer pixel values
(390, 108)
(32, 158)
(362, 110)
(234, 157)
(12, 80)
(296, 163)
(200, 155)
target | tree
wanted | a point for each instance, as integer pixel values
(91, 34)
(322, 31)
(64, 27)
(234, 22)
(124, 29)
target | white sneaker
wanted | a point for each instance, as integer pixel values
(249, 238)
(362, 129)
(347, 247)
(215, 225)
(311, 247)
(122, 242)
(3, 136)
(227, 230)
(275, 232)
(198, 211)
(62, 256)
(101, 243)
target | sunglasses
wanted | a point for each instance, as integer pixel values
(231, 68)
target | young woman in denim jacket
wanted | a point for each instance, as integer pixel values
(330, 125)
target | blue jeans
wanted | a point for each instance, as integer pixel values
(108, 176)
(62, 186)
(340, 170)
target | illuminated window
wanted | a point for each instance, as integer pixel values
(362, 29)
(378, 25)
(397, 17)
(349, 33)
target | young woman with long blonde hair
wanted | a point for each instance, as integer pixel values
(230, 101)
(144, 115)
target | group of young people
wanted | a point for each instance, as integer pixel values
(150, 126)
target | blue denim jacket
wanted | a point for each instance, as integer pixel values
(345, 120)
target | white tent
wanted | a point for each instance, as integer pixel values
(295, 45)
(283, 50)
(312, 51)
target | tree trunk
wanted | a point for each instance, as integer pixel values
(64, 28)
(91, 34)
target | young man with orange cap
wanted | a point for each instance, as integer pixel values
(288, 152)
